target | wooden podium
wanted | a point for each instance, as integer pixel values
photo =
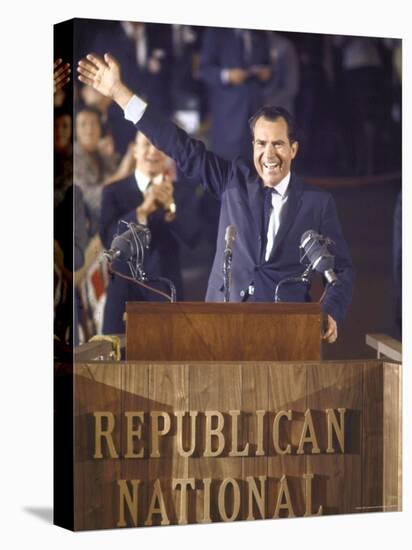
(224, 412)
(222, 332)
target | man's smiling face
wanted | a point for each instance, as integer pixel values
(272, 150)
(149, 160)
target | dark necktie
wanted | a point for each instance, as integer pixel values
(267, 209)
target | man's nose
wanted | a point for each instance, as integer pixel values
(270, 149)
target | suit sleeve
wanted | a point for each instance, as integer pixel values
(186, 227)
(191, 156)
(339, 296)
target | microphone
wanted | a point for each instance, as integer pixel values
(230, 237)
(315, 249)
(130, 245)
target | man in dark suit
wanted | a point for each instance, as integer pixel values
(148, 197)
(267, 250)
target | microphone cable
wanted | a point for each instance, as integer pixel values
(171, 298)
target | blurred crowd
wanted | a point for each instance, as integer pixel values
(344, 91)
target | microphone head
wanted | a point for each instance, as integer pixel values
(230, 234)
(316, 251)
(130, 244)
(309, 235)
(124, 246)
(111, 254)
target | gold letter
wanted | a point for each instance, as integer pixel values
(276, 422)
(132, 501)
(259, 497)
(133, 433)
(157, 496)
(156, 431)
(206, 501)
(235, 451)
(259, 447)
(339, 429)
(100, 433)
(287, 505)
(183, 496)
(216, 432)
(179, 433)
(236, 499)
(308, 497)
(311, 438)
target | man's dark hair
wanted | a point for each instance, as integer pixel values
(273, 113)
(83, 108)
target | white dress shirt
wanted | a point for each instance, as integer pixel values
(142, 180)
(279, 198)
(134, 109)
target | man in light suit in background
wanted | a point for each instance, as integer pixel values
(267, 251)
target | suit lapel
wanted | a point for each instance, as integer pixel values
(290, 212)
(255, 196)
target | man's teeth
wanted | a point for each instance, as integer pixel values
(271, 164)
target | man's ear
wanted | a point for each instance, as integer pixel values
(294, 148)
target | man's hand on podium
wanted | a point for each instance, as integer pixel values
(331, 330)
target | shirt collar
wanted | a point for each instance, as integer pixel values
(282, 186)
(142, 180)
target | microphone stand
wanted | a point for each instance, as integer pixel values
(172, 288)
(140, 276)
(135, 264)
(227, 274)
(304, 278)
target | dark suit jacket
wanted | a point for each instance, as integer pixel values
(241, 192)
(119, 202)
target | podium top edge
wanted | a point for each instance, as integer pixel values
(311, 308)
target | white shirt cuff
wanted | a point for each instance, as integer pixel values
(134, 109)
(224, 76)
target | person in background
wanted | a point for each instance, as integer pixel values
(235, 66)
(363, 84)
(283, 86)
(92, 167)
(69, 220)
(149, 196)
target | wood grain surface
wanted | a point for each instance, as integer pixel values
(222, 332)
(275, 456)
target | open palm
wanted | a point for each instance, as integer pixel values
(102, 74)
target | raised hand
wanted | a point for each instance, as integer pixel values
(61, 73)
(104, 76)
